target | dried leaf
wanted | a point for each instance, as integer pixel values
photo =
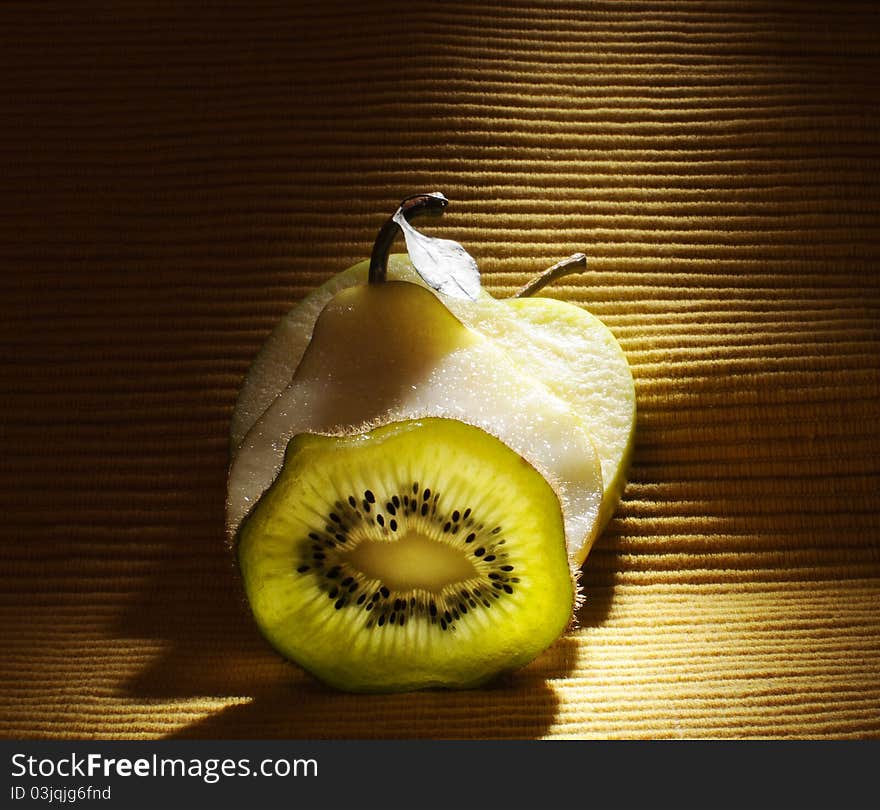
(443, 264)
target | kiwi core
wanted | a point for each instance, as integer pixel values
(414, 562)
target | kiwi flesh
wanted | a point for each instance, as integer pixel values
(420, 554)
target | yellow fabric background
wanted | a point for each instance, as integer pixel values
(175, 178)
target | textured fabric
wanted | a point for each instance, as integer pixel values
(176, 177)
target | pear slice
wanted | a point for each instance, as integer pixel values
(391, 352)
(560, 345)
(578, 358)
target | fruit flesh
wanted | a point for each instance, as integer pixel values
(311, 557)
(552, 341)
(415, 562)
(561, 345)
(393, 351)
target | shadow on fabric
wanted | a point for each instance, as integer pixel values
(214, 653)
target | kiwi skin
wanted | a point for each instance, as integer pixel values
(301, 615)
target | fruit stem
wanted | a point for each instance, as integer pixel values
(433, 204)
(573, 264)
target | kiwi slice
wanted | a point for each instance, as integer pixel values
(423, 553)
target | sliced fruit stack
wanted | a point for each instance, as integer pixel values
(419, 470)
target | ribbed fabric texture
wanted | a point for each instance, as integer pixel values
(174, 178)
